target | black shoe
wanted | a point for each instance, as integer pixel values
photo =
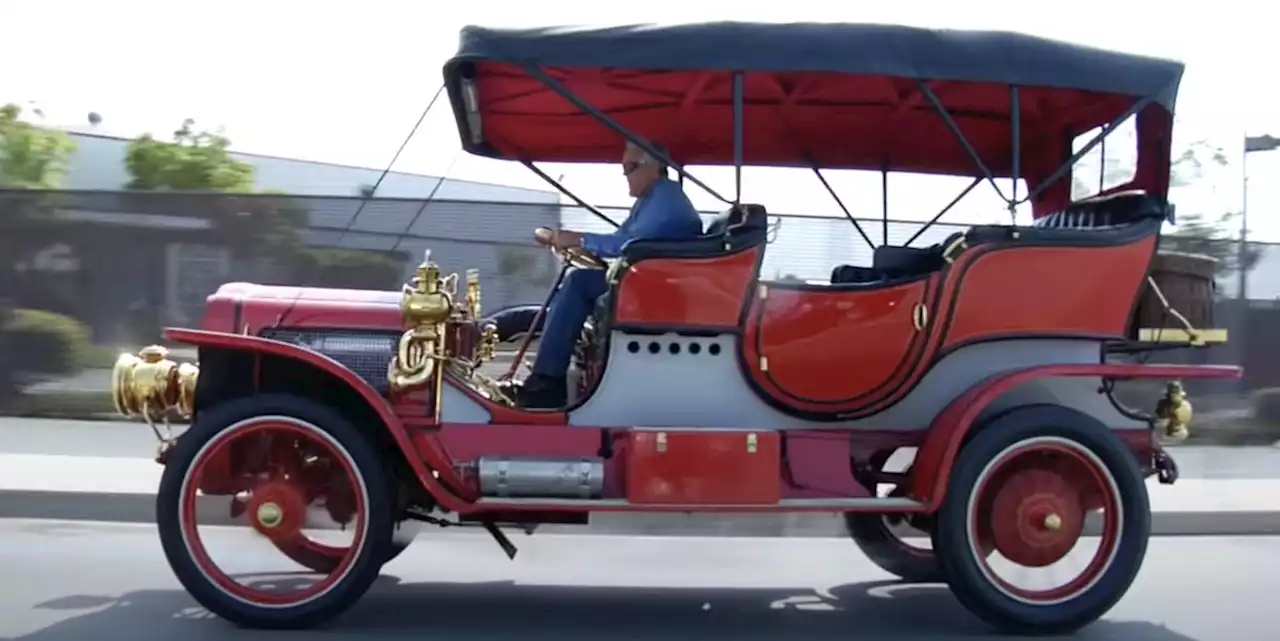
(542, 392)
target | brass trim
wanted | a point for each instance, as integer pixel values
(764, 364)
(753, 443)
(920, 316)
(763, 292)
(954, 250)
(660, 441)
(1170, 335)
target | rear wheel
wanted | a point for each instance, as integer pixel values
(1025, 488)
(289, 462)
(893, 541)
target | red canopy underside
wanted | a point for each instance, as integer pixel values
(790, 119)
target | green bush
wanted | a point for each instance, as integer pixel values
(39, 342)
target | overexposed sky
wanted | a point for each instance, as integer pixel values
(343, 82)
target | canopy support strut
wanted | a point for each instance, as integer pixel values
(572, 196)
(1015, 110)
(737, 137)
(1138, 105)
(954, 201)
(555, 85)
(954, 128)
(847, 214)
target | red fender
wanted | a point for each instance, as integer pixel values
(936, 455)
(255, 344)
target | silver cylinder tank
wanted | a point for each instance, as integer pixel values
(515, 476)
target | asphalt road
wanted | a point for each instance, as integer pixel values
(128, 439)
(89, 582)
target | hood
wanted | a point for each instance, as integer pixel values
(248, 308)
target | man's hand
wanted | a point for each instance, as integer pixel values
(565, 239)
(559, 239)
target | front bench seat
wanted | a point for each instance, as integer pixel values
(740, 227)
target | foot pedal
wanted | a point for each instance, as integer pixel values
(501, 537)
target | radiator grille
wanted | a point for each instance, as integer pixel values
(365, 352)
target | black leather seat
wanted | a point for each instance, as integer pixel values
(1113, 212)
(1107, 212)
(891, 262)
(740, 227)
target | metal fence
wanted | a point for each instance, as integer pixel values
(121, 265)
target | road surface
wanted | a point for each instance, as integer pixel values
(89, 582)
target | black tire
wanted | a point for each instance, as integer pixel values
(378, 499)
(951, 538)
(872, 534)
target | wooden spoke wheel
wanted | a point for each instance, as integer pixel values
(287, 462)
(1010, 535)
(320, 557)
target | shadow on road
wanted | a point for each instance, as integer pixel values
(503, 610)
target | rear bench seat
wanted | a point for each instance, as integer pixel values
(1102, 213)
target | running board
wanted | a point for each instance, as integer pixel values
(887, 504)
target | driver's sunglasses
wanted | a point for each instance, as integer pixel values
(630, 166)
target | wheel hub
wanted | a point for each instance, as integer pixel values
(1037, 517)
(277, 510)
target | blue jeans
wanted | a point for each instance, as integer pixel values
(570, 307)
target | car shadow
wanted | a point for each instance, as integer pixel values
(499, 610)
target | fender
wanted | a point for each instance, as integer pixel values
(936, 455)
(255, 344)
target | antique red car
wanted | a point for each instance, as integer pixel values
(703, 386)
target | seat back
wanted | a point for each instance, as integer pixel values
(739, 227)
(739, 219)
(1107, 212)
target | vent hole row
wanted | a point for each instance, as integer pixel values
(655, 347)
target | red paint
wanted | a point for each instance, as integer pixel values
(1013, 498)
(264, 306)
(703, 292)
(467, 442)
(818, 465)
(380, 406)
(1048, 290)
(694, 467)
(802, 119)
(833, 350)
(936, 455)
(200, 556)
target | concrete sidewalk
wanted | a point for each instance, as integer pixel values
(122, 489)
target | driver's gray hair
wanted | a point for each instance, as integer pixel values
(650, 159)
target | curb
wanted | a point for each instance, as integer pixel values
(140, 508)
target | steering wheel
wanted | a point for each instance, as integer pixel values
(575, 256)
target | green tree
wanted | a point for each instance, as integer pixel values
(200, 161)
(192, 161)
(31, 157)
(1210, 234)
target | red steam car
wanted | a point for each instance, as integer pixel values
(704, 387)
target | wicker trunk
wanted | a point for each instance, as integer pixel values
(1187, 283)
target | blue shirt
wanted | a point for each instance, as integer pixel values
(663, 212)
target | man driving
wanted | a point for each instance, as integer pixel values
(661, 211)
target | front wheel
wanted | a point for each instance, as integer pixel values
(320, 557)
(290, 462)
(1023, 488)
